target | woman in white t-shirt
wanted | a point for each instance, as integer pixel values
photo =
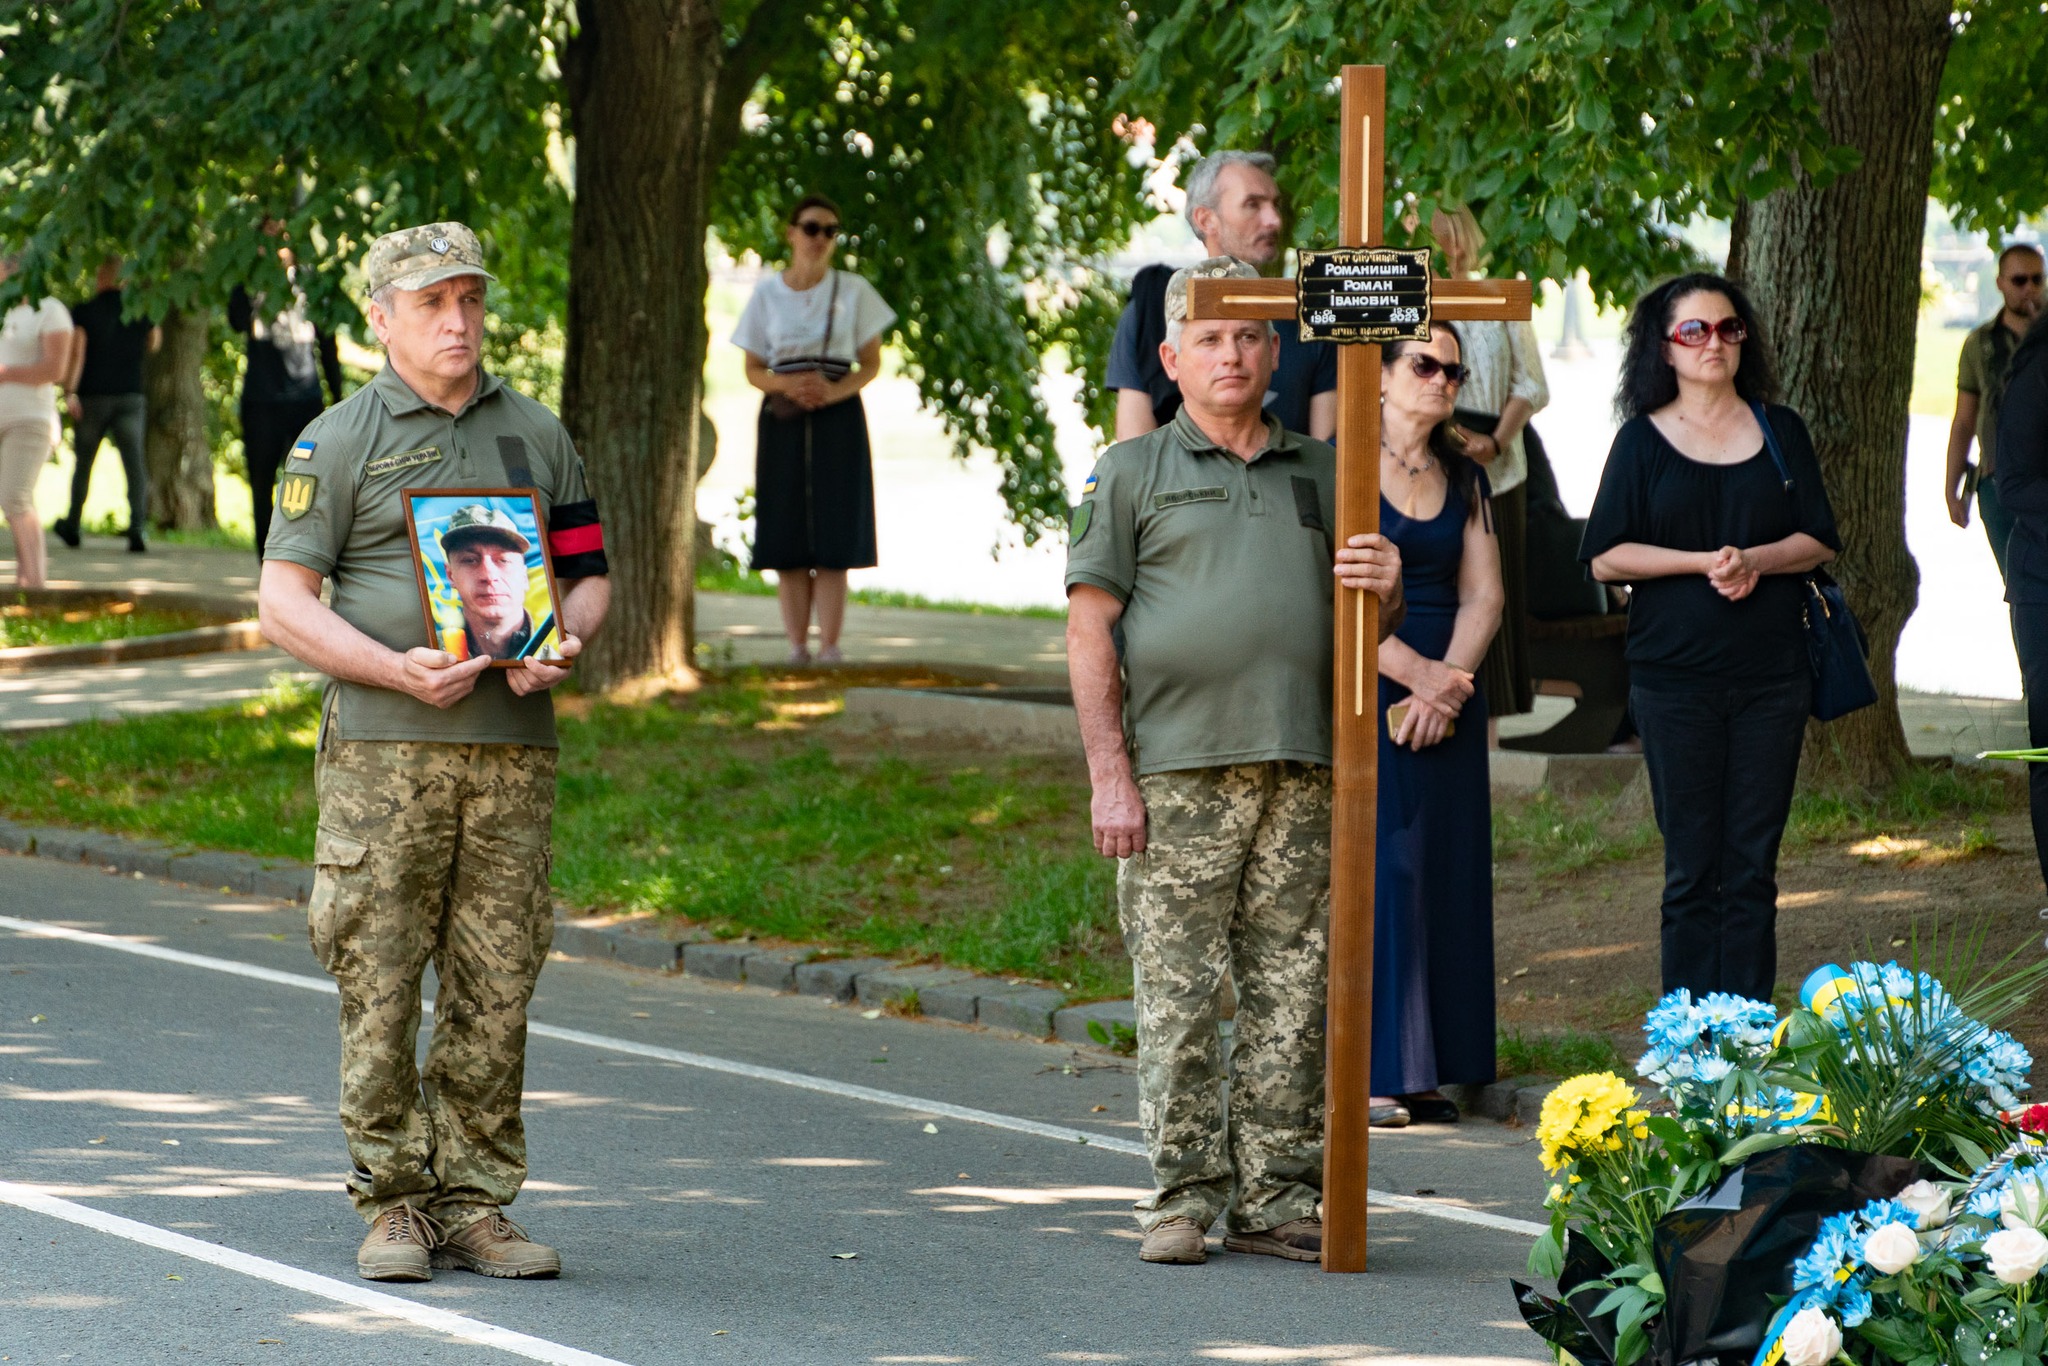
(35, 347)
(813, 338)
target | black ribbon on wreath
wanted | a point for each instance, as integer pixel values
(1725, 1257)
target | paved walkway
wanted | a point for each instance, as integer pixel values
(743, 628)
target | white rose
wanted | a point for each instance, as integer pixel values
(1929, 1203)
(2016, 1254)
(1812, 1338)
(1891, 1248)
(2023, 1203)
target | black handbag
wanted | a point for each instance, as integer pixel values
(1835, 644)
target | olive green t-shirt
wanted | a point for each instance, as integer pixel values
(350, 527)
(1987, 355)
(1223, 568)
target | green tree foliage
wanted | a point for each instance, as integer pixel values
(1992, 126)
(969, 146)
(169, 131)
(1583, 135)
(969, 143)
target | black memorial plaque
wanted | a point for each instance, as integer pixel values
(1364, 294)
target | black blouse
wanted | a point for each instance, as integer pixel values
(1682, 635)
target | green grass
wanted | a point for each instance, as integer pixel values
(1563, 1054)
(1568, 834)
(728, 578)
(719, 808)
(1931, 792)
(20, 625)
(241, 536)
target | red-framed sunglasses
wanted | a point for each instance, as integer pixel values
(1695, 331)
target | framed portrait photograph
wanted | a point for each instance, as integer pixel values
(487, 586)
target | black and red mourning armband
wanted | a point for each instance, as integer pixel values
(576, 541)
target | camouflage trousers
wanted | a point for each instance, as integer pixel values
(433, 852)
(1234, 880)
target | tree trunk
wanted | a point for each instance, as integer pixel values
(640, 77)
(178, 451)
(1836, 275)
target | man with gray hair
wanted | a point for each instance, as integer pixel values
(1233, 205)
(1200, 640)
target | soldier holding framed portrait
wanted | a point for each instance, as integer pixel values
(435, 770)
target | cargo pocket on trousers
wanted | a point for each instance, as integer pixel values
(336, 858)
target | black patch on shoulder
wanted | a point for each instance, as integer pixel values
(512, 451)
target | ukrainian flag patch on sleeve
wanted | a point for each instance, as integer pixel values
(303, 450)
(1086, 488)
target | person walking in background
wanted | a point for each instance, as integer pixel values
(813, 338)
(35, 357)
(1504, 387)
(2022, 484)
(104, 394)
(1693, 514)
(1199, 642)
(1433, 884)
(1233, 204)
(1980, 385)
(288, 355)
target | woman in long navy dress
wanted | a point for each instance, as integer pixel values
(1433, 927)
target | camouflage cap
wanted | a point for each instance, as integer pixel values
(413, 258)
(1215, 268)
(481, 522)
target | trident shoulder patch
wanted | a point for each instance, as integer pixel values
(1078, 527)
(295, 494)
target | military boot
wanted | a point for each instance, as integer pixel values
(495, 1246)
(399, 1246)
(1298, 1240)
(1175, 1241)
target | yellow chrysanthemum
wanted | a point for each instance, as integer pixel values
(1582, 1115)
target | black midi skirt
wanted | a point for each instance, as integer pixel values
(814, 490)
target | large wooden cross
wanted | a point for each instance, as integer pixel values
(1360, 218)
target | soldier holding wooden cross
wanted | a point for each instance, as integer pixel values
(1200, 639)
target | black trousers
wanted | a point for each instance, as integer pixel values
(1722, 764)
(123, 417)
(268, 431)
(2030, 638)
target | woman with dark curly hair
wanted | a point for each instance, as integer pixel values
(1695, 517)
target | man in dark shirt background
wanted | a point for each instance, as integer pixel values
(1234, 207)
(281, 386)
(105, 398)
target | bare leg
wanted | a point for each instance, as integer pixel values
(28, 548)
(23, 449)
(831, 607)
(793, 591)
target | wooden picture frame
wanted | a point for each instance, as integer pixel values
(503, 517)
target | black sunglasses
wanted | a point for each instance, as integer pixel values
(1429, 367)
(811, 227)
(2033, 279)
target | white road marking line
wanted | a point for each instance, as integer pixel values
(291, 1277)
(1435, 1209)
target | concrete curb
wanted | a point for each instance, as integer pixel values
(941, 993)
(1008, 1007)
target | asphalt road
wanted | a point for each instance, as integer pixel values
(170, 1180)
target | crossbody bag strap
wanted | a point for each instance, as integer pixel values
(831, 307)
(1763, 420)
